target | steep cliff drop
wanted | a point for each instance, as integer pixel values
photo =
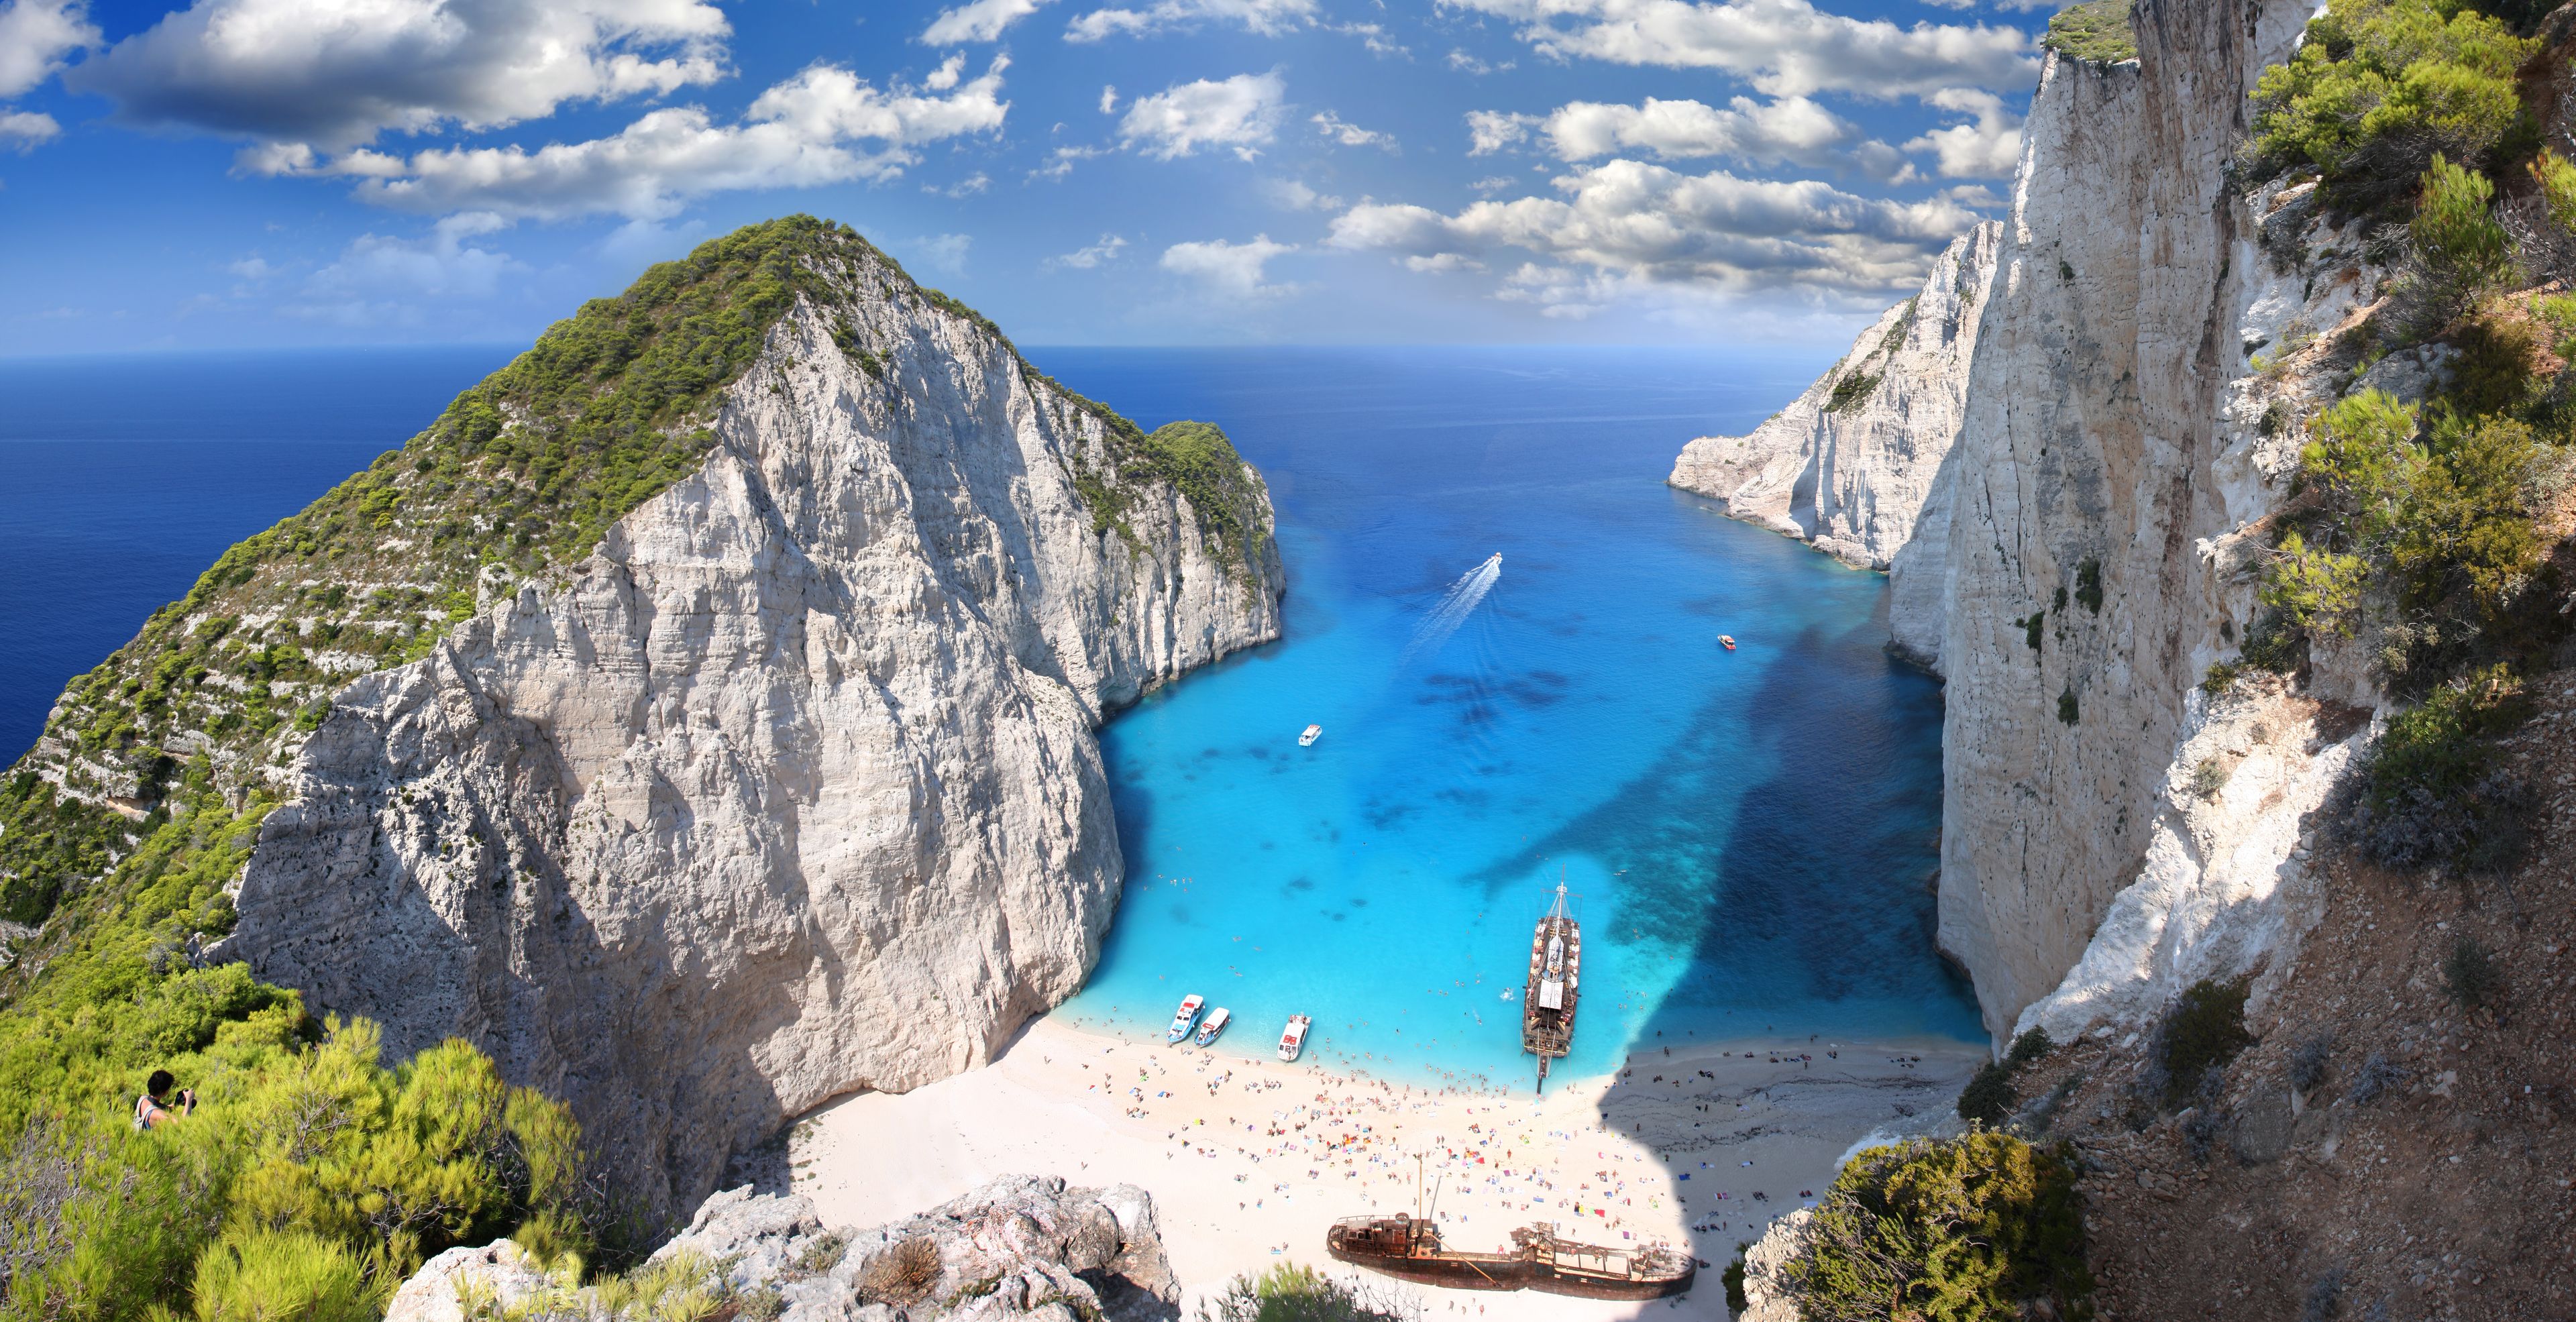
(726, 671)
(2060, 496)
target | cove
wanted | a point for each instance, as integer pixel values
(1752, 835)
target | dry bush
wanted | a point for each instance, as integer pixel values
(902, 1275)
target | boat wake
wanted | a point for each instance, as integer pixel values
(1455, 605)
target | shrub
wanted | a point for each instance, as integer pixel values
(2066, 707)
(2208, 777)
(2469, 529)
(2471, 975)
(902, 1275)
(2557, 181)
(2203, 1031)
(2313, 587)
(1732, 1279)
(1290, 1292)
(2431, 792)
(285, 1276)
(1851, 392)
(2029, 1048)
(1977, 1227)
(2495, 369)
(2363, 464)
(1989, 1097)
(2376, 1076)
(2460, 249)
(2088, 584)
(2381, 87)
(2308, 1061)
(2096, 30)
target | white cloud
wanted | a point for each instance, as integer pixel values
(1098, 254)
(1296, 196)
(1786, 47)
(1447, 261)
(23, 129)
(1494, 182)
(803, 132)
(1108, 98)
(1628, 224)
(35, 38)
(945, 253)
(380, 279)
(252, 268)
(1338, 129)
(947, 74)
(1989, 148)
(1463, 62)
(969, 186)
(1269, 18)
(981, 20)
(1374, 39)
(1490, 131)
(1792, 129)
(337, 74)
(1241, 113)
(1228, 268)
(1060, 161)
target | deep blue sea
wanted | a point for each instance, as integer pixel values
(1749, 836)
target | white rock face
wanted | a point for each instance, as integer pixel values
(2127, 422)
(2225, 884)
(791, 788)
(1866, 481)
(2093, 475)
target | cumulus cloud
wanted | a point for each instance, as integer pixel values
(1490, 131)
(1627, 224)
(1098, 254)
(1269, 18)
(21, 130)
(1785, 47)
(1235, 269)
(1989, 148)
(1794, 130)
(1337, 129)
(982, 20)
(1241, 113)
(1463, 62)
(335, 76)
(36, 38)
(825, 125)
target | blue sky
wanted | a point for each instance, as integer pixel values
(245, 173)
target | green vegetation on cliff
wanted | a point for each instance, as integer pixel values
(2096, 30)
(1983, 1226)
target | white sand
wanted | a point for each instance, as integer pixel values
(1249, 1159)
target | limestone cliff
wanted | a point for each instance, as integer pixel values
(1856, 464)
(2114, 453)
(779, 779)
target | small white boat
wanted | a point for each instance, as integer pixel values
(1214, 1025)
(1186, 1016)
(1313, 733)
(1293, 1042)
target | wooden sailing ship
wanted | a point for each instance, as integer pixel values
(1555, 983)
(1409, 1248)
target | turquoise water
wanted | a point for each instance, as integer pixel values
(1750, 835)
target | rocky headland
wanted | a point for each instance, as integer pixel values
(698, 717)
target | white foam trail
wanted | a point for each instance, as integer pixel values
(1454, 607)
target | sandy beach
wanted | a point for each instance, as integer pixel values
(1250, 1159)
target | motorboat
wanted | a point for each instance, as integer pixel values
(1313, 733)
(1727, 640)
(1212, 1025)
(1185, 1018)
(1292, 1043)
